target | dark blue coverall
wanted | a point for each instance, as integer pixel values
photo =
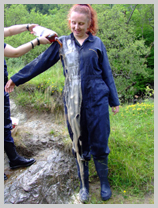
(97, 86)
(7, 119)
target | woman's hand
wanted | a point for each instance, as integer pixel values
(115, 109)
(9, 87)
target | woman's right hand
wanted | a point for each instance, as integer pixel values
(9, 87)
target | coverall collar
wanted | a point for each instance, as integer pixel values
(90, 37)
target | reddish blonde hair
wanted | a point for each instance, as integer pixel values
(89, 11)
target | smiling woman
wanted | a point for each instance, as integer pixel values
(79, 25)
(82, 19)
(90, 14)
(89, 90)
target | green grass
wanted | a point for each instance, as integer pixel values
(52, 78)
(132, 146)
(131, 143)
(52, 132)
(39, 92)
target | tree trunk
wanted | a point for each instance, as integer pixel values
(131, 14)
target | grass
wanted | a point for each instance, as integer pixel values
(40, 91)
(53, 77)
(132, 147)
(52, 132)
(131, 141)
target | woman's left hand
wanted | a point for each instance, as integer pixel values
(115, 109)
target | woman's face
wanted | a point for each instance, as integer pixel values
(79, 24)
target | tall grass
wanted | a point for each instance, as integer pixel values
(131, 143)
(39, 91)
(53, 77)
(132, 146)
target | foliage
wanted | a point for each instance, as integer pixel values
(124, 51)
(149, 92)
(143, 26)
(42, 8)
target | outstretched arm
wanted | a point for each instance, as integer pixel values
(43, 62)
(16, 29)
(12, 52)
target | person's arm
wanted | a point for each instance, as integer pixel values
(43, 62)
(115, 109)
(109, 80)
(12, 52)
(16, 29)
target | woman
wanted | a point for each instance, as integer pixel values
(89, 90)
(16, 160)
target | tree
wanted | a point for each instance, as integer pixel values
(15, 14)
(125, 52)
(143, 21)
(42, 8)
(125, 29)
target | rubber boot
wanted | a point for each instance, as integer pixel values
(5, 177)
(102, 170)
(16, 161)
(84, 190)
